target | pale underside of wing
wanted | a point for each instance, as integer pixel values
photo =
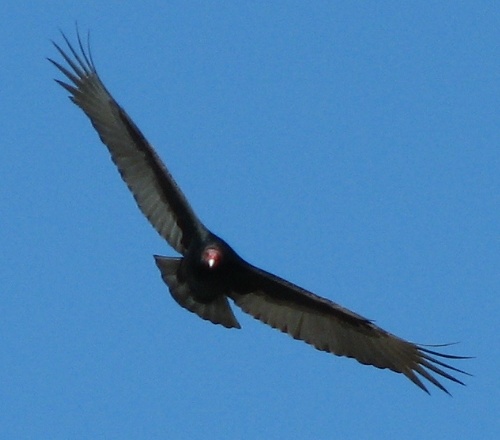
(334, 329)
(154, 189)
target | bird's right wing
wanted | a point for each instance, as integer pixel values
(333, 328)
(154, 189)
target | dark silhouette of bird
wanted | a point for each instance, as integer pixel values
(209, 271)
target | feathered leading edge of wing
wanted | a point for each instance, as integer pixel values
(334, 329)
(154, 189)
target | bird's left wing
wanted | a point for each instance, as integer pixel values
(332, 328)
(154, 189)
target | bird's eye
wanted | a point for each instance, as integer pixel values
(212, 257)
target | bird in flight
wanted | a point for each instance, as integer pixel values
(209, 272)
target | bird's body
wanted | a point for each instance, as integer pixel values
(209, 271)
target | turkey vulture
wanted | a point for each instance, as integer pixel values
(209, 271)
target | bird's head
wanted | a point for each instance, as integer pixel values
(212, 257)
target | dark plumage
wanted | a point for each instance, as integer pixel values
(210, 272)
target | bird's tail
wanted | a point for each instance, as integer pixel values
(217, 311)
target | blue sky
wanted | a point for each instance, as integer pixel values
(350, 147)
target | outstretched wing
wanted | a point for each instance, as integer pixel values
(154, 189)
(332, 328)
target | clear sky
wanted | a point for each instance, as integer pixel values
(351, 147)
